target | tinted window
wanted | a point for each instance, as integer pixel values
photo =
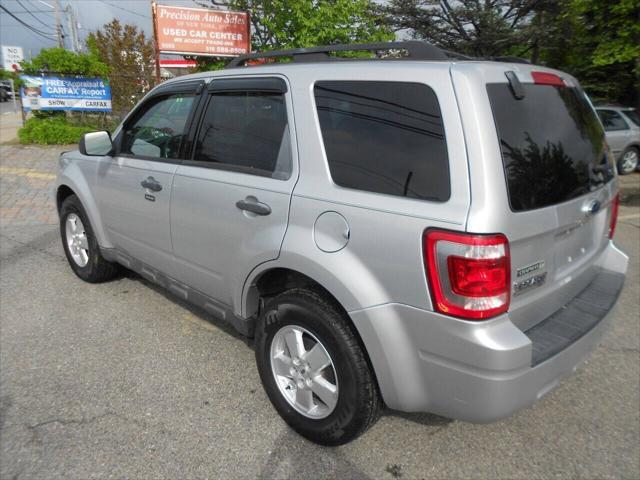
(246, 131)
(612, 120)
(633, 116)
(384, 137)
(552, 144)
(158, 129)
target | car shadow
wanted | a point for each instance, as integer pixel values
(202, 314)
(426, 419)
(294, 457)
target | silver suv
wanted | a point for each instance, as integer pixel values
(431, 233)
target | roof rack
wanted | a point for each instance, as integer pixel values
(416, 50)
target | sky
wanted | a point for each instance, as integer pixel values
(91, 15)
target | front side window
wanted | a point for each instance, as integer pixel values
(384, 137)
(158, 130)
(246, 132)
(612, 121)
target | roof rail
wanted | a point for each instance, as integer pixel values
(416, 51)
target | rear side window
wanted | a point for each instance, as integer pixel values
(633, 116)
(552, 144)
(384, 137)
(247, 132)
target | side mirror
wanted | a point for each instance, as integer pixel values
(97, 144)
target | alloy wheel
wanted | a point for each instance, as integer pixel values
(304, 372)
(630, 161)
(77, 241)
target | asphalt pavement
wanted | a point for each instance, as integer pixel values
(122, 380)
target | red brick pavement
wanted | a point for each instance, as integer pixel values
(27, 176)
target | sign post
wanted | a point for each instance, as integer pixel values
(15, 104)
(155, 40)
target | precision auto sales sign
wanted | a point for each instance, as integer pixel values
(200, 31)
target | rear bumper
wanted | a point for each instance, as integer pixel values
(484, 371)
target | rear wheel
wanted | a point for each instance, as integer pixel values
(628, 161)
(80, 244)
(314, 369)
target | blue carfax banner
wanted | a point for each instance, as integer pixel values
(65, 93)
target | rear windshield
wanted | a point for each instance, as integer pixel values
(552, 144)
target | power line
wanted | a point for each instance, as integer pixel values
(124, 9)
(30, 27)
(29, 12)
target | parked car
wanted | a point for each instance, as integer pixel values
(622, 130)
(5, 93)
(430, 233)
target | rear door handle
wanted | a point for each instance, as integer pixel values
(251, 204)
(151, 184)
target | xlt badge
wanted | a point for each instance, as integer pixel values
(531, 282)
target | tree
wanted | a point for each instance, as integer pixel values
(282, 24)
(481, 29)
(55, 61)
(5, 74)
(599, 43)
(131, 61)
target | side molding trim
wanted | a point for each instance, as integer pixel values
(244, 326)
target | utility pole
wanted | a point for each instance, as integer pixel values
(58, 24)
(73, 28)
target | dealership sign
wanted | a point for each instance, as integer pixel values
(62, 93)
(201, 31)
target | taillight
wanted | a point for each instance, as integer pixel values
(546, 78)
(615, 206)
(469, 275)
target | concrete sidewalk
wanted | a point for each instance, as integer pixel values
(10, 122)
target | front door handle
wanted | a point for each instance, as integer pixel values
(151, 184)
(251, 204)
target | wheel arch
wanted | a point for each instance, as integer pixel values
(79, 187)
(275, 279)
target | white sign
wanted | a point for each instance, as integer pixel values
(11, 58)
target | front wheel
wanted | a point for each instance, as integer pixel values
(314, 369)
(628, 161)
(80, 244)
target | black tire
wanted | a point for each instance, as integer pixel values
(97, 268)
(625, 168)
(358, 404)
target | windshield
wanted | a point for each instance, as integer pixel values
(552, 144)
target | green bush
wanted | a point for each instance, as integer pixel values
(52, 131)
